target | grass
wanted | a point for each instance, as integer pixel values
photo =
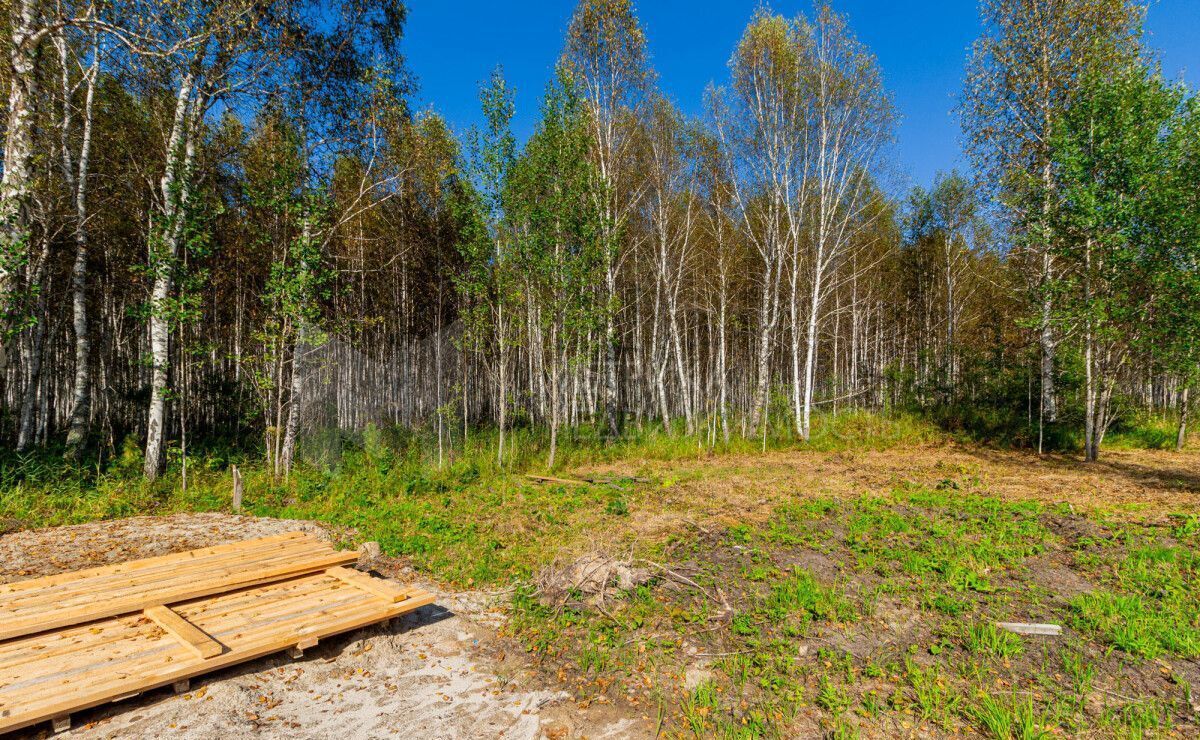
(989, 640)
(1143, 431)
(1150, 606)
(799, 596)
(1006, 718)
(851, 615)
(943, 567)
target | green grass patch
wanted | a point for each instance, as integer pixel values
(987, 639)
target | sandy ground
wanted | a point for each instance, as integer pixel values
(439, 672)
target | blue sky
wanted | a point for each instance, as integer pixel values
(922, 44)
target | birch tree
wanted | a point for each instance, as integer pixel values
(559, 251)
(852, 119)
(670, 203)
(719, 219)
(1110, 157)
(1178, 336)
(761, 121)
(488, 279)
(606, 55)
(30, 25)
(75, 175)
(1019, 82)
(18, 151)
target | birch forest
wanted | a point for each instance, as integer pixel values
(229, 220)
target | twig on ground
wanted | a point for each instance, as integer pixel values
(847, 650)
(723, 655)
(697, 526)
(1114, 694)
(719, 597)
(552, 479)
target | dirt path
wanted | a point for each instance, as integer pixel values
(440, 672)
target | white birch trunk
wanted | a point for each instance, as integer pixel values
(81, 386)
(18, 155)
(175, 190)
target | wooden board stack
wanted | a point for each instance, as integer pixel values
(77, 640)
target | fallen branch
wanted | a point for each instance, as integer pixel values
(1115, 695)
(723, 655)
(719, 598)
(587, 480)
(551, 479)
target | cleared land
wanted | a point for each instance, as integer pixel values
(787, 593)
(858, 593)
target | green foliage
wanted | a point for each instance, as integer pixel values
(958, 540)
(831, 697)
(934, 697)
(930, 565)
(799, 595)
(1110, 155)
(1010, 718)
(617, 506)
(1151, 606)
(989, 640)
(1139, 719)
(550, 194)
(700, 707)
(488, 281)
(1176, 335)
(1134, 429)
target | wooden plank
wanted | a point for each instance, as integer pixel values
(306, 617)
(1027, 628)
(250, 623)
(102, 604)
(380, 587)
(146, 649)
(140, 571)
(86, 591)
(225, 617)
(184, 631)
(15, 655)
(43, 581)
(295, 605)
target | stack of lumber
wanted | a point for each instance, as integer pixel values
(77, 640)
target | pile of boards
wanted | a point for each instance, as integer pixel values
(80, 639)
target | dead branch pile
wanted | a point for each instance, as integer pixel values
(589, 579)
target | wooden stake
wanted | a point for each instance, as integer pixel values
(237, 490)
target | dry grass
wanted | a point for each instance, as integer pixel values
(1143, 484)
